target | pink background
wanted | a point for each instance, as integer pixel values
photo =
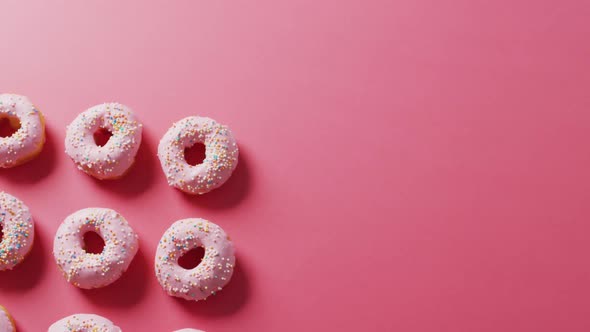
(406, 165)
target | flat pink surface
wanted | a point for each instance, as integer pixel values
(406, 165)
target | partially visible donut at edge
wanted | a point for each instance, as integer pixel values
(6, 321)
(28, 124)
(18, 229)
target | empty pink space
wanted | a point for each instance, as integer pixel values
(405, 165)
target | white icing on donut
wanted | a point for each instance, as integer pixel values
(207, 278)
(19, 231)
(6, 324)
(84, 323)
(86, 270)
(28, 140)
(114, 158)
(221, 156)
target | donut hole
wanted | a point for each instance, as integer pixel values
(9, 125)
(102, 136)
(195, 154)
(1, 232)
(192, 258)
(93, 243)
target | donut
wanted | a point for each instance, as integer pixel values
(28, 139)
(114, 159)
(84, 323)
(207, 278)
(6, 321)
(87, 270)
(221, 154)
(189, 330)
(18, 231)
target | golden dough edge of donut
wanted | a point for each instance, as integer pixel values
(12, 322)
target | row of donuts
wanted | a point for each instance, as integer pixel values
(94, 270)
(77, 322)
(114, 159)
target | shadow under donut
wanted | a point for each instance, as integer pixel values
(139, 177)
(126, 291)
(228, 301)
(39, 167)
(230, 193)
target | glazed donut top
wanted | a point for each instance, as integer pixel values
(84, 323)
(86, 270)
(207, 278)
(28, 138)
(18, 229)
(221, 155)
(118, 154)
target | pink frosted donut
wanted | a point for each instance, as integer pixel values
(28, 139)
(207, 278)
(112, 160)
(221, 155)
(84, 323)
(86, 270)
(6, 321)
(18, 231)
